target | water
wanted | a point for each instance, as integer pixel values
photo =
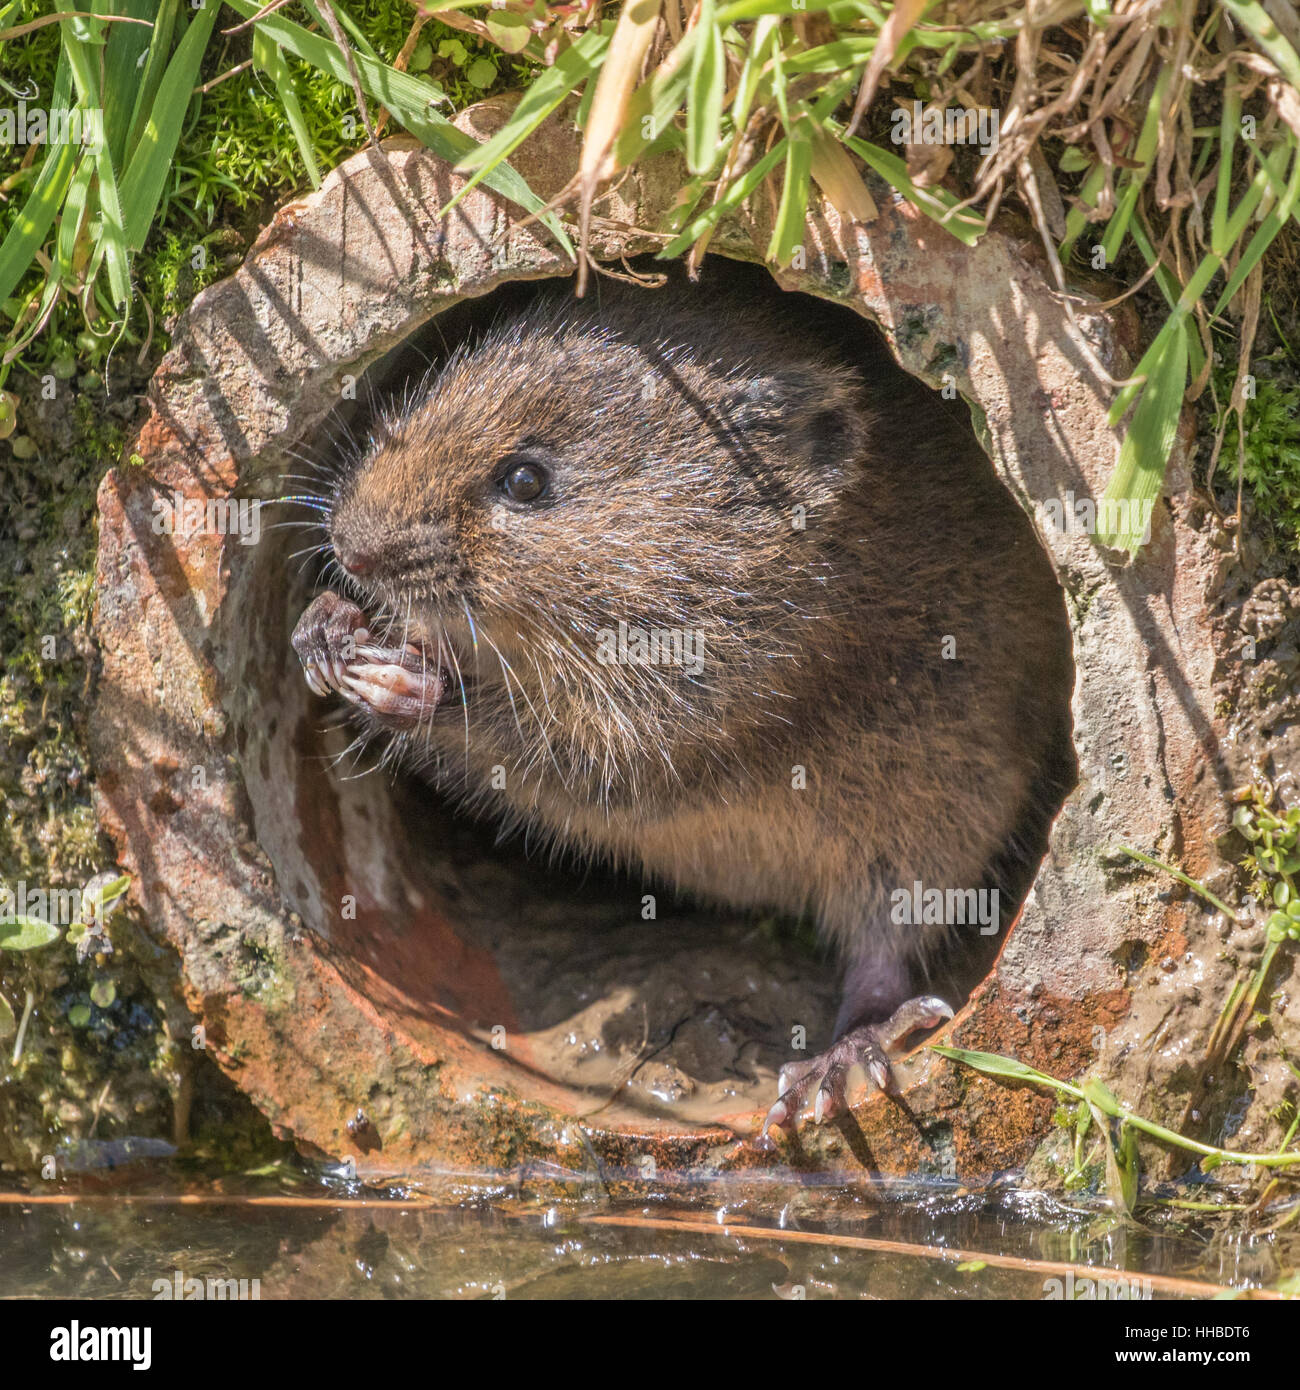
(302, 1235)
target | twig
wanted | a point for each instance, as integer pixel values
(345, 48)
(690, 1222)
(261, 14)
(401, 61)
(20, 29)
(28, 1005)
(218, 80)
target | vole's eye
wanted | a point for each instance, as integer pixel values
(525, 481)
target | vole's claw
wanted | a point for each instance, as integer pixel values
(325, 639)
(863, 1046)
(926, 1011)
(397, 685)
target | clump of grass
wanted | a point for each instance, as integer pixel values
(216, 121)
(1158, 136)
(766, 101)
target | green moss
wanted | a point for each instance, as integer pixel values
(1271, 458)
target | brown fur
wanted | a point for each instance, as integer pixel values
(684, 430)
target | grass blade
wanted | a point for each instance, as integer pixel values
(127, 44)
(268, 57)
(84, 57)
(966, 226)
(146, 175)
(792, 214)
(408, 98)
(1131, 494)
(751, 72)
(737, 191)
(1134, 180)
(1271, 225)
(32, 224)
(992, 1064)
(1253, 17)
(706, 90)
(573, 67)
(146, 82)
(74, 206)
(650, 112)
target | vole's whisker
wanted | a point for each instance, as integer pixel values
(450, 646)
(357, 745)
(297, 525)
(508, 671)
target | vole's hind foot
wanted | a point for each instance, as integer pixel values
(824, 1078)
(398, 686)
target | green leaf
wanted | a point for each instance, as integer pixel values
(74, 205)
(354, 30)
(103, 993)
(766, 32)
(1255, 18)
(573, 67)
(706, 92)
(27, 234)
(792, 214)
(108, 894)
(1130, 496)
(146, 174)
(1268, 228)
(510, 32)
(481, 73)
(992, 1064)
(268, 57)
(737, 191)
(23, 933)
(1073, 160)
(1102, 1097)
(84, 58)
(112, 238)
(966, 226)
(127, 44)
(1134, 179)
(79, 1015)
(145, 81)
(651, 109)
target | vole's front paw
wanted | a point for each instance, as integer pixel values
(866, 1045)
(398, 686)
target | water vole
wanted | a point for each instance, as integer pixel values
(673, 581)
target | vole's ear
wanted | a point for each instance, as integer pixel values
(813, 413)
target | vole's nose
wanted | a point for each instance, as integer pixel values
(354, 558)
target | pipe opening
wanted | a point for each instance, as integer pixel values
(596, 989)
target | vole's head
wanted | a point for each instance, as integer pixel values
(578, 474)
